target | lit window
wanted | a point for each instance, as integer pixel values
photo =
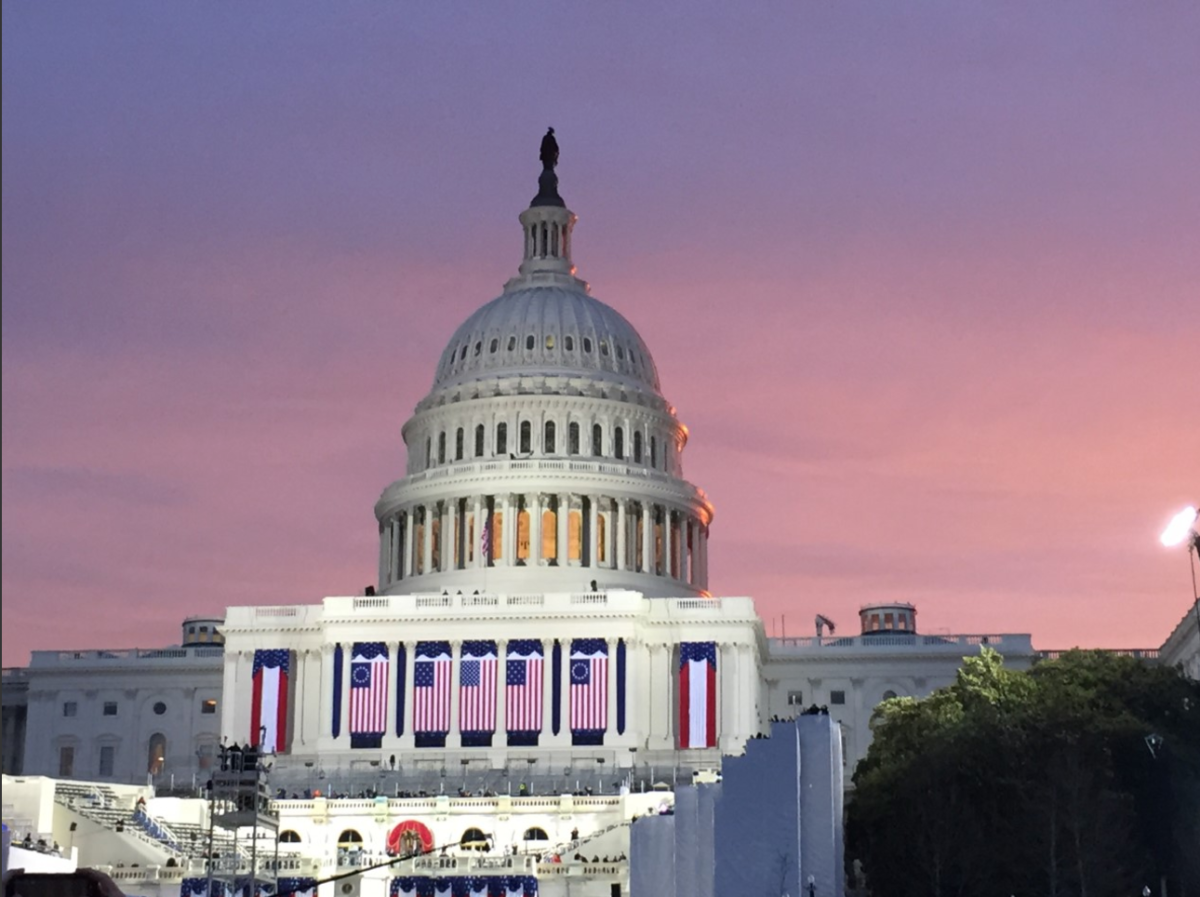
(837, 697)
(549, 340)
(157, 760)
(795, 698)
(110, 708)
(208, 706)
(70, 708)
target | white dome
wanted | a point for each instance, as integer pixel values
(546, 330)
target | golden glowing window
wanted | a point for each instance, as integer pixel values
(575, 536)
(497, 536)
(419, 549)
(523, 536)
(435, 535)
(549, 340)
(601, 539)
(470, 538)
(549, 534)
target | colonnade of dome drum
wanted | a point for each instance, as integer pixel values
(544, 529)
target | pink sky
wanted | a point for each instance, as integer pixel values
(921, 282)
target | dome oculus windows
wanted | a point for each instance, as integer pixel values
(569, 343)
(587, 345)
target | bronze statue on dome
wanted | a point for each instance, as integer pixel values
(549, 151)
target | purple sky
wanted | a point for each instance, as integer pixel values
(922, 280)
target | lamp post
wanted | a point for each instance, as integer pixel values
(1179, 531)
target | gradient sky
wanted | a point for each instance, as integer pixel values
(921, 278)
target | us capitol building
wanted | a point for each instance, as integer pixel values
(540, 661)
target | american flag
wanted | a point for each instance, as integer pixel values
(485, 537)
(589, 685)
(523, 685)
(269, 699)
(431, 687)
(369, 668)
(477, 687)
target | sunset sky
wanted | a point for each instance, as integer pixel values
(922, 279)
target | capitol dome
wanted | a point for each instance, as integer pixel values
(546, 330)
(545, 457)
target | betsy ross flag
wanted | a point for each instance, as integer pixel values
(477, 690)
(523, 686)
(697, 694)
(369, 667)
(431, 693)
(268, 708)
(589, 690)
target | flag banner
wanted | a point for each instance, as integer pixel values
(338, 658)
(268, 709)
(369, 670)
(621, 686)
(297, 887)
(485, 538)
(589, 690)
(198, 887)
(556, 687)
(401, 677)
(477, 693)
(431, 693)
(523, 694)
(697, 694)
(464, 886)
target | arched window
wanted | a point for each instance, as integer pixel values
(888, 695)
(462, 355)
(653, 451)
(637, 448)
(620, 352)
(569, 343)
(597, 440)
(428, 452)
(493, 346)
(157, 755)
(473, 839)
(618, 443)
(442, 447)
(549, 340)
(573, 438)
(526, 437)
(478, 347)
(535, 834)
(530, 342)
(587, 345)
(512, 344)
(289, 837)
(458, 444)
(548, 438)
(479, 441)
(349, 837)
(501, 439)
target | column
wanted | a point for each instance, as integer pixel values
(728, 688)
(229, 694)
(427, 538)
(546, 737)
(347, 655)
(702, 556)
(454, 738)
(407, 740)
(389, 732)
(647, 537)
(611, 732)
(592, 554)
(512, 515)
(409, 534)
(310, 698)
(500, 739)
(561, 518)
(473, 550)
(326, 710)
(534, 502)
(619, 562)
(447, 536)
(668, 541)
(385, 531)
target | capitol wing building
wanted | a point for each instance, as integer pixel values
(540, 662)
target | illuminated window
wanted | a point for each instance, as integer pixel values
(501, 439)
(548, 438)
(573, 438)
(549, 534)
(497, 536)
(157, 760)
(795, 698)
(889, 621)
(208, 706)
(419, 548)
(574, 535)
(549, 340)
(587, 345)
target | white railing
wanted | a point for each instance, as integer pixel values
(276, 611)
(372, 602)
(907, 640)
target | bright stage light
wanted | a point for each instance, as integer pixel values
(1179, 528)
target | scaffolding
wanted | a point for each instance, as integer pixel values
(240, 799)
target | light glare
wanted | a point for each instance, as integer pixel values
(1179, 527)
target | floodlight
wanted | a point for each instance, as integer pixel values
(1179, 528)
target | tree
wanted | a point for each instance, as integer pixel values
(1079, 777)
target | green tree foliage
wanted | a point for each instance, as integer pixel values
(1079, 778)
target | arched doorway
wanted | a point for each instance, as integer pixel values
(157, 754)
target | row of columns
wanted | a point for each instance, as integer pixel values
(651, 698)
(410, 544)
